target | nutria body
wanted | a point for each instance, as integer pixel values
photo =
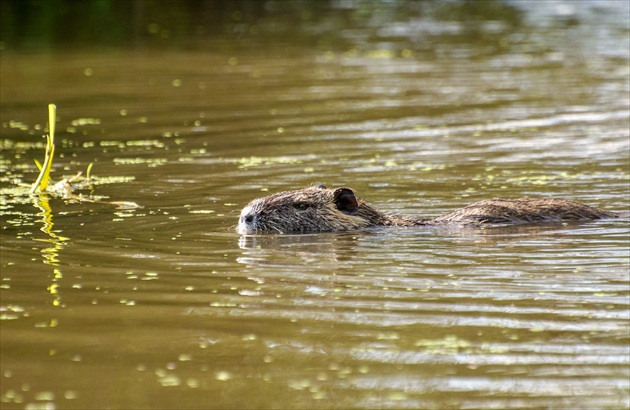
(319, 209)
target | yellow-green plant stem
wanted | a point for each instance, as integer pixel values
(44, 175)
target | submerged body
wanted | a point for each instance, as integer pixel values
(319, 209)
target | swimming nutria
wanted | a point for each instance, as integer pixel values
(319, 209)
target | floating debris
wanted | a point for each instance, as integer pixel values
(66, 187)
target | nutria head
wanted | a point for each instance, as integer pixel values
(313, 209)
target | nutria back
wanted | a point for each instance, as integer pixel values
(319, 209)
(523, 210)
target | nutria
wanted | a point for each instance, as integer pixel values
(319, 209)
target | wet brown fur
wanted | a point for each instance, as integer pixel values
(319, 209)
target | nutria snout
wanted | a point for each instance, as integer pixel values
(319, 209)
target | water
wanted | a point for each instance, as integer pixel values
(166, 306)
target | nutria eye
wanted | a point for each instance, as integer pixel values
(301, 205)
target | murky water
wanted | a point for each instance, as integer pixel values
(165, 306)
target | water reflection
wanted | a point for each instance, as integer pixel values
(51, 254)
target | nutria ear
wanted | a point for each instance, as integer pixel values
(345, 200)
(320, 186)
